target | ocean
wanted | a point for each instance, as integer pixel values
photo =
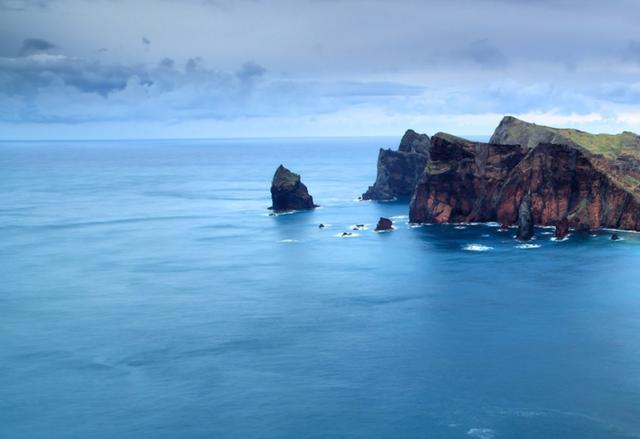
(147, 293)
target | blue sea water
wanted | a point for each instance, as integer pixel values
(147, 293)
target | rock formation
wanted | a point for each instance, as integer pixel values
(468, 181)
(288, 192)
(398, 171)
(614, 237)
(562, 228)
(525, 219)
(384, 224)
(462, 180)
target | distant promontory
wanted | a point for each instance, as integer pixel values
(586, 181)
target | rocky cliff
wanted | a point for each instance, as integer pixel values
(462, 181)
(398, 171)
(288, 192)
(468, 181)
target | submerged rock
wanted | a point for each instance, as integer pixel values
(384, 224)
(359, 227)
(562, 228)
(525, 219)
(288, 192)
(345, 234)
(398, 171)
(321, 226)
(614, 236)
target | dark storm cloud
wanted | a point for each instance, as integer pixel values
(24, 76)
(35, 45)
(75, 90)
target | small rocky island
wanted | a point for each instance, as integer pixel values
(288, 193)
(526, 175)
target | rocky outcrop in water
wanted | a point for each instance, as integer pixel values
(384, 224)
(525, 219)
(398, 171)
(562, 229)
(288, 192)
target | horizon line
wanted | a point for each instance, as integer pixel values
(148, 139)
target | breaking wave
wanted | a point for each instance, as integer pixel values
(477, 248)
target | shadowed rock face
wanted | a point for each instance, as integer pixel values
(562, 229)
(384, 224)
(468, 181)
(617, 155)
(525, 219)
(288, 192)
(570, 183)
(462, 181)
(398, 171)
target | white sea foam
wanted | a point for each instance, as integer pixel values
(385, 231)
(481, 433)
(399, 217)
(460, 227)
(527, 246)
(486, 235)
(546, 233)
(288, 212)
(493, 224)
(350, 235)
(357, 227)
(288, 240)
(477, 248)
(417, 225)
(560, 240)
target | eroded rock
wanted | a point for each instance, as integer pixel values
(288, 192)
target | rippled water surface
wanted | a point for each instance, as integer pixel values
(146, 292)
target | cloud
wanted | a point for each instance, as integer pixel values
(35, 45)
(55, 88)
(250, 70)
(28, 75)
(633, 51)
(485, 54)
(21, 5)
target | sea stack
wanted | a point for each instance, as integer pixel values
(525, 219)
(384, 224)
(562, 228)
(288, 192)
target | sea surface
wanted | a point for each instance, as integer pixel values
(146, 292)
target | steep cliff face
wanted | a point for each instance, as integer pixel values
(462, 179)
(399, 170)
(617, 155)
(288, 192)
(572, 184)
(468, 181)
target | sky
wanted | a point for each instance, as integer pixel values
(106, 69)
